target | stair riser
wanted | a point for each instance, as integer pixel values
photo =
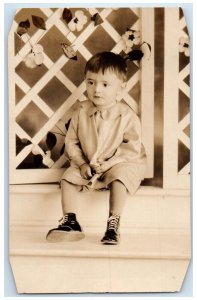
(92, 210)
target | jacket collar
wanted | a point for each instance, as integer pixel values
(109, 113)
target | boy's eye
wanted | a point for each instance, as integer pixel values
(105, 84)
(90, 82)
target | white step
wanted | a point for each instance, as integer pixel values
(145, 261)
(150, 207)
(153, 255)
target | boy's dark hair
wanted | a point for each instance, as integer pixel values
(107, 61)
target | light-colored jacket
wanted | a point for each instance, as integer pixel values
(118, 138)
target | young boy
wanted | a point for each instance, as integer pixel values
(104, 146)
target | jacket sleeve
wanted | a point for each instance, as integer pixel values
(72, 143)
(131, 148)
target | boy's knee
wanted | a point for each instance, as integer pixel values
(65, 183)
(116, 182)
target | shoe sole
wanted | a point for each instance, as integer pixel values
(109, 243)
(57, 236)
(112, 242)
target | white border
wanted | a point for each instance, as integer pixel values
(3, 130)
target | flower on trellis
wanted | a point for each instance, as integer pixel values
(184, 46)
(35, 57)
(46, 160)
(54, 145)
(45, 157)
(134, 50)
(130, 38)
(52, 148)
(78, 21)
(143, 50)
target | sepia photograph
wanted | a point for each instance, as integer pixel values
(99, 149)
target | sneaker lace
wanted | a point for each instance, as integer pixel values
(113, 222)
(65, 219)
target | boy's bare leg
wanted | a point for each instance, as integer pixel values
(118, 195)
(69, 195)
(69, 229)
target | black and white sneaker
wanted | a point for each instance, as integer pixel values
(67, 231)
(112, 235)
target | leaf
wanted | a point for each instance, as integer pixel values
(25, 141)
(21, 30)
(37, 160)
(69, 51)
(97, 19)
(21, 144)
(51, 140)
(134, 55)
(24, 24)
(67, 15)
(39, 22)
(62, 149)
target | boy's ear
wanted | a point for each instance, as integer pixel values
(122, 87)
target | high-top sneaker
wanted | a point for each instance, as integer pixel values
(68, 230)
(112, 235)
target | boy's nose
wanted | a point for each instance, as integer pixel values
(98, 88)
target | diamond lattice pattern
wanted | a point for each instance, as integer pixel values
(46, 95)
(184, 105)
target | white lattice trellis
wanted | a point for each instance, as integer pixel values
(54, 70)
(173, 127)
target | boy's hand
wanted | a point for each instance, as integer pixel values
(85, 171)
(103, 167)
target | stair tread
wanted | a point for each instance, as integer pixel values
(55, 188)
(135, 243)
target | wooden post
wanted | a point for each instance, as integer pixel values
(147, 88)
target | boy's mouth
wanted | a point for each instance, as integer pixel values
(97, 97)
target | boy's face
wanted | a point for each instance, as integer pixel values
(102, 88)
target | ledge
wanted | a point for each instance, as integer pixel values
(135, 244)
(54, 188)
